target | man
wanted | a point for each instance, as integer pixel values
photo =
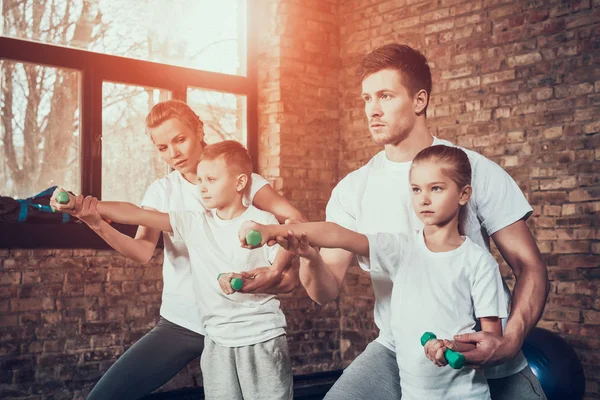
(396, 83)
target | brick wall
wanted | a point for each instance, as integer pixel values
(518, 82)
(298, 145)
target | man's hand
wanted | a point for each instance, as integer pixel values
(489, 348)
(269, 280)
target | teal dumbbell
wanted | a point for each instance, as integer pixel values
(253, 238)
(455, 359)
(236, 283)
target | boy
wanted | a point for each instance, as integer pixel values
(246, 354)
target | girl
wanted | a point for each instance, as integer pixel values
(443, 281)
(177, 133)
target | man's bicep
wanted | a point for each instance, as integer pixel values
(517, 246)
(338, 261)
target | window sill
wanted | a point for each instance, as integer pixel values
(56, 236)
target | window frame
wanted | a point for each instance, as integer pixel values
(96, 68)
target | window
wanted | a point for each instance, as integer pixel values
(79, 77)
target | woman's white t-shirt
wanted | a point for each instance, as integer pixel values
(174, 193)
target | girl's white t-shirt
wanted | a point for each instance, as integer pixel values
(174, 193)
(439, 292)
(377, 198)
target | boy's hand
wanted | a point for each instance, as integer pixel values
(253, 226)
(435, 348)
(225, 282)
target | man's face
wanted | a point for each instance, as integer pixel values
(389, 107)
(217, 183)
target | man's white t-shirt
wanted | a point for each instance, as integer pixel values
(174, 193)
(439, 292)
(238, 319)
(377, 198)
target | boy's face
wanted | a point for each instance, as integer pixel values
(177, 144)
(218, 184)
(436, 198)
(389, 107)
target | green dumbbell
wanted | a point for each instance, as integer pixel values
(253, 238)
(62, 197)
(236, 283)
(455, 359)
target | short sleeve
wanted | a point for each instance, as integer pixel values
(257, 183)
(497, 199)
(341, 207)
(487, 289)
(387, 251)
(154, 196)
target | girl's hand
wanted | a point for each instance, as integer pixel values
(298, 245)
(434, 350)
(253, 226)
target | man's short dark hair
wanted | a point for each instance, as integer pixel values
(410, 63)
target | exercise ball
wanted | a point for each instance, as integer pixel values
(555, 364)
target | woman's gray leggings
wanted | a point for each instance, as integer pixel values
(149, 363)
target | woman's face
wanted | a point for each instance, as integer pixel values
(178, 144)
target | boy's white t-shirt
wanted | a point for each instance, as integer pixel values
(238, 319)
(174, 193)
(439, 292)
(377, 198)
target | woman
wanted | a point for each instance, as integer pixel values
(177, 133)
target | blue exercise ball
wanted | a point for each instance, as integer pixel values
(555, 364)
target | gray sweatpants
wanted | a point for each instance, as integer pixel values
(374, 375)
(149, 363)
(261, 371)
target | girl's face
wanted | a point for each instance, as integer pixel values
(436, 197)
(178, 145)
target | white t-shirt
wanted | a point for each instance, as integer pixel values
(439, 292)
(238, 319)
(174, 193)
(377, 198)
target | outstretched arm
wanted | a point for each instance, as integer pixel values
(319, 234)
(121, 212)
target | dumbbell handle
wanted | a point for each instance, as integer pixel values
(455, 359)
(236, 283)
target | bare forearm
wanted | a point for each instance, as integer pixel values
(130, 214)
(319, 281)
(324, 234)
(528, 301)
(138, 250)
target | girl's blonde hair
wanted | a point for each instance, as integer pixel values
(455, 165)
(166, 110)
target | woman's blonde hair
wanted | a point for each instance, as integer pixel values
(166, 110)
